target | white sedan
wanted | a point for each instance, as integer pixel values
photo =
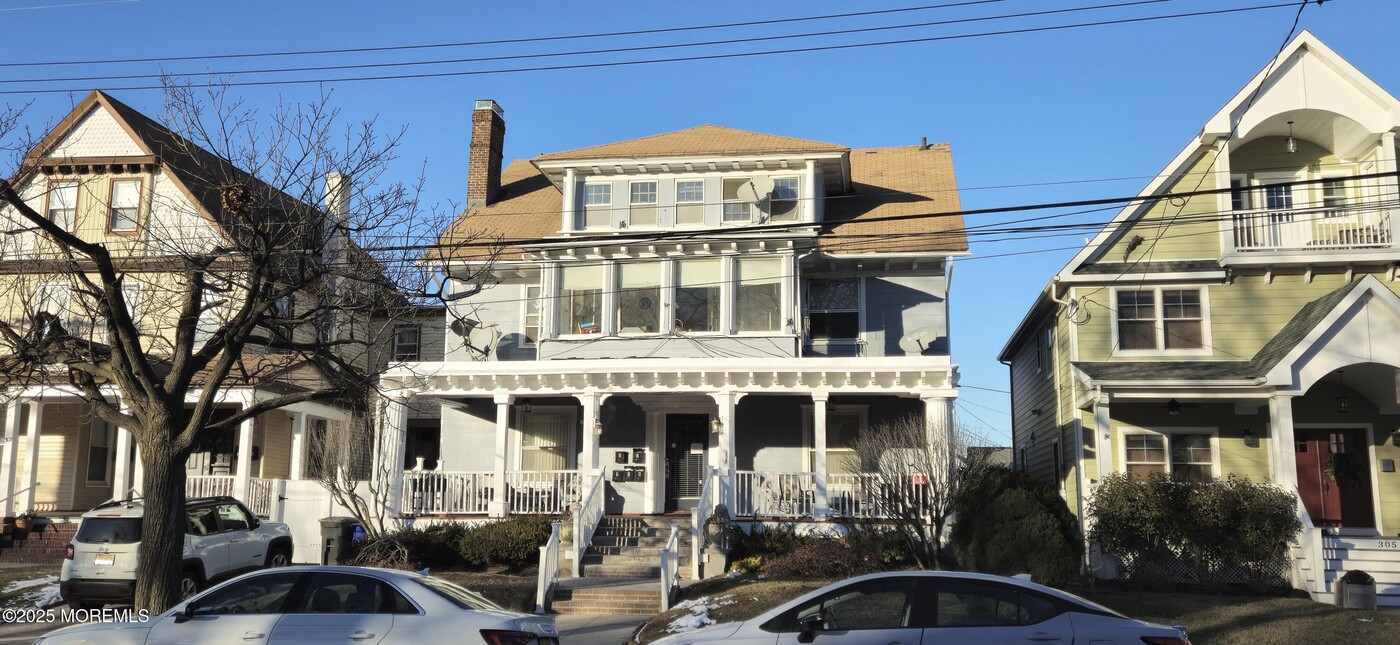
(914, 607)
(325, 605)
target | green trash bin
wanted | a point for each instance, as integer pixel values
(1356, 590)
(336, 535)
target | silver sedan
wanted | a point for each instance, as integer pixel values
(325, 605)
(914, 607)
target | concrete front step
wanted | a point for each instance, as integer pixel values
(603, 556)
(629, 571)
(625, 608)
(614, 541)
(646, 521)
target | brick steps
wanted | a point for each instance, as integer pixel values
(638, 597)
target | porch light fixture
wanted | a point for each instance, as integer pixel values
(1173, 407)
(527, 407)
(598, 429)
(1343, 401)
(716, 426)
(1249, 439)
(1292, 143)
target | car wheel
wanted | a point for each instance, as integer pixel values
(189, 584)
(278, 557)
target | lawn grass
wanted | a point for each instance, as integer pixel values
(1209, 618)
(516, 592)
(17, 573)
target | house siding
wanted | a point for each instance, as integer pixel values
(1034, 386)
(1170, 231)
(897, 305)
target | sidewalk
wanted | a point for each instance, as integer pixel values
(596, 629)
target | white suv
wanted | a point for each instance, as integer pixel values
(222, 539)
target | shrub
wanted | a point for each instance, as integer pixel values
(886, 545)
(819, 559)
(767, 542)
(1220, 531)
(512, 542)
(750, 564)
(434, 547)
(1009, 522)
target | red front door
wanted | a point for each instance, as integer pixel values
(1330, 503)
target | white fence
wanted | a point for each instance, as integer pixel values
(431, 492)
(261, 496)
(541, 492)
(209, 485)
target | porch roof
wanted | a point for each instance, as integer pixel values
(1268, 356)
(900, 376)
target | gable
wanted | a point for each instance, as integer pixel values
(1362, 328)
(97, 134)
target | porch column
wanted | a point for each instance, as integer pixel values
(138, 470)
(819, 400)
(245, 460)
(31, 453)
(1103, 436)
(1390, 186)
(498, 505)
(392, 445)
(9, 464)
(942, 440)
(726, 402)
(298, 461)
(588, 461)
(1285, 468)
(121, 471)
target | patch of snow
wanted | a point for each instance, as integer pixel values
(25, 584)
(44, 597)
(733, 574)
(699, 615)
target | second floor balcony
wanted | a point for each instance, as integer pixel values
(1319, 229)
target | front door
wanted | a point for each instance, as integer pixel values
(1334, 477)
(686, 435)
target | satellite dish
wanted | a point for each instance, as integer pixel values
(482, 340)
(918, 340)
(756, 190)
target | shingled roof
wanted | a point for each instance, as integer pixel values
(701, 140)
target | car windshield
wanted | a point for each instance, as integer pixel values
(456, 594)
(109, 530)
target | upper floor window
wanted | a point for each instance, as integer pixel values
(690, 201)
(759, 291)
(833, 309)
(63, 204)
(697, 295)
(1239, 193)
(1160, 319)
(784, 205)
(736, 210)
(532, 316)
(1045, 345)
(407, 342)
(1336, 196)
(642, 211)
(125, 206)
(639, 297)
(581, 300)
(597, 205)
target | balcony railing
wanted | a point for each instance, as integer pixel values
(1312, 229)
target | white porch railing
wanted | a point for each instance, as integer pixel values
(1312, 229)
(854, 495)
(431, 492)
(764, 494)
(587, 518)
(541, 492)
(704, 507)
(549, 569)
(260, 496)
(670, 567)
(209, 485)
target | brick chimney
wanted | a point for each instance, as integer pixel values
(487, 148)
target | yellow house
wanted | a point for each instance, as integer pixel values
(1241, 318)
(115, 176)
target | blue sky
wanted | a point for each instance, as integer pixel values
(1111, 102)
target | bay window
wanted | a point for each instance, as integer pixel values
(639, 297)
(581, 300)
(758, 302)
(697, 295)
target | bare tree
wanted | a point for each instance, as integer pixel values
(269, 269)
(914, 474)
(341, 456)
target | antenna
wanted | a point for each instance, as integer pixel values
(756, 190)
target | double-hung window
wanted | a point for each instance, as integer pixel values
(56, 299)
(407, 342)
(125, 206)
(1160, 319)
(532, 316)
(758, 303)
(698, 295)
(63, 204)
(642, 206)
(833, 310)
(690, 202)
(99, 464)
(1335, 198)
(639, 297)
(597, 205)
(1187, 456)
(581, 299)
(546, 440)
(783, 207)
(736, 210)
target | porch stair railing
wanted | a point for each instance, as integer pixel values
(549, 570)
(670, 567)
(587, 518)
(704, 508)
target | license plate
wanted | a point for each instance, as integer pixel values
(104, 560)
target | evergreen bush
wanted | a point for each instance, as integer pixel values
(1009, 522)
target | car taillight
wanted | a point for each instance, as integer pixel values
(68, 552)
(1165, 640)
(508, 637)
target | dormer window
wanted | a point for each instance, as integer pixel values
(597, 205)
(735, 210)
(783, 207)
(642, 210)
(690, 202)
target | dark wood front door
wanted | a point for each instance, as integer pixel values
(1343, 500)
(686, 436)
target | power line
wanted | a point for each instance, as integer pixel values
(708, 57)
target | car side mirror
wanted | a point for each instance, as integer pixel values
(184, 615)
(809, 626)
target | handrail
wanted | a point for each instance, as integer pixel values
(587, 519)
(670, 566)
(549, 569)
(23, 490)
(704, 507)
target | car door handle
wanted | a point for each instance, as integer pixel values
(1042, 636)
(360, 635)
(253, 636)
